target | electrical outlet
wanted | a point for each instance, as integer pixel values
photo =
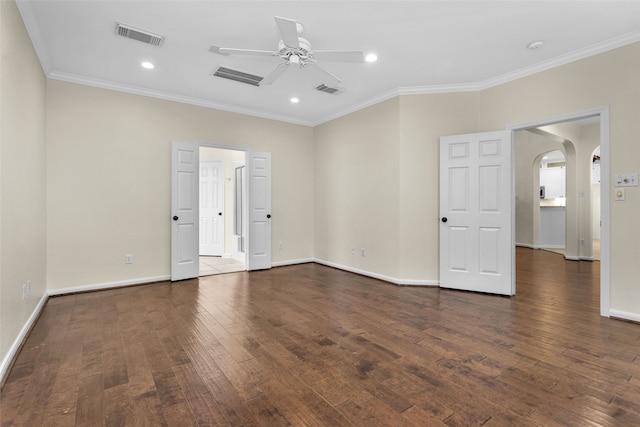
(279, 246)
(362, 252)
(128, 259)
(24, 291)
(353, 251)
(28, 287)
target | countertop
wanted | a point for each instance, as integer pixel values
(560, 202)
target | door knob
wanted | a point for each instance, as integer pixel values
(444, 219)
(268, 215)
(175, 218)
(220, 213)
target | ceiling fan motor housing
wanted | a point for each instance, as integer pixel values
(297, 55)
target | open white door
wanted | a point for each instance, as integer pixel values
(211, 207)
(184, 211)
(477, 252)
(259, 210)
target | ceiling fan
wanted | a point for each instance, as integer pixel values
(295, 50)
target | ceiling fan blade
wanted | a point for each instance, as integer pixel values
(289, 31)
(328, 78)
(273, 75)
(339, 55)
(233, 51)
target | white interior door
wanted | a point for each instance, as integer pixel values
(211, 207)
(259, 210)
(184, 211)
(477, 251)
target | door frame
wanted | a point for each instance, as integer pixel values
(603, 113)
(245, 196)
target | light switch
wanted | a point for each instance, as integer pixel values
(619, 194)
(626, 180)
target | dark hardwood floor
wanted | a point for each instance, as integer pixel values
(309, 345)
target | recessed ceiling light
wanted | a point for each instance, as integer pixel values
(294, 100)
(535, 45)
(148, 65)
(372, 57)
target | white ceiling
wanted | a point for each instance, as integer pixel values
(422, 46)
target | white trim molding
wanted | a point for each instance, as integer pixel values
(20, 339)
(108, 285)
(291, 262)
(624, 315)
(395, 281)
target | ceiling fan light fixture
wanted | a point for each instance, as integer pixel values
(147, 65)
(294, 100)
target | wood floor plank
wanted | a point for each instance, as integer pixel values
(315, 346)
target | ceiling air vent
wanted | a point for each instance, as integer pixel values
(327, 89)
(138, 34)
(238, 76)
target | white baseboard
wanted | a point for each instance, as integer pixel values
(109, 285)
(527, 245)
(395, 281)
(291, 262)
(17, 343)
(634, 317)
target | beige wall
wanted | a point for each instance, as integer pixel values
(356, 159)
(109, 180)
(22, 178)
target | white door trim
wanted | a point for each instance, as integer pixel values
(245, 197)
(605, 261)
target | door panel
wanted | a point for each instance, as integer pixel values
(259, 210)
(184, 211)
(476, 210)
(211, 207)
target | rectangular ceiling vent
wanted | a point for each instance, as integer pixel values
(327, 89)
(138, 34)
(237, 76)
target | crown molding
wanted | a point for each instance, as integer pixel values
(558, 61)
(103, 84)
(576, 55)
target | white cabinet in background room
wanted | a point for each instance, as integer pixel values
(553, 180)
(552, 226)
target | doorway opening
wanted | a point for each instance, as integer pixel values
(552, 201)
(222, 211)
(580, 135)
